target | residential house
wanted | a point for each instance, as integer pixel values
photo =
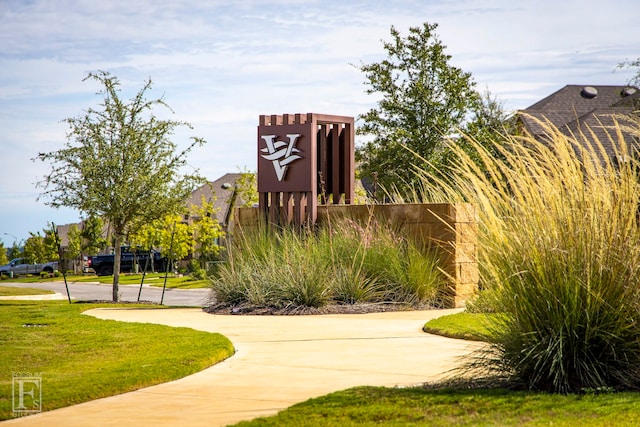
(222, 192)
(584, 111)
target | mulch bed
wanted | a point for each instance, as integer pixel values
(245, 309)
(303, 310)
(107, 301)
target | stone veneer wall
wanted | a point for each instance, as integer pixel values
(450, 228)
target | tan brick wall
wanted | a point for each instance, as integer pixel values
(450, 228)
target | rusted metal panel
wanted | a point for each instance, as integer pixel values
(299, 157)
(347, 162)
(323, 163)
(287, 208)
(335, 163)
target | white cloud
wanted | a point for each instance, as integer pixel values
(221, 64)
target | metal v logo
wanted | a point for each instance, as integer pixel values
(280, 153)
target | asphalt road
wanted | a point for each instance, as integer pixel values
(129, 293)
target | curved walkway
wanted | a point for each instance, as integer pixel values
(280, 360)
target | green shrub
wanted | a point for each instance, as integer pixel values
(196, 270)
(560, 257)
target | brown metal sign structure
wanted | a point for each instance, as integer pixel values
(302, 157)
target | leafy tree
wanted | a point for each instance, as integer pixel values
(247, 188)
(206, 231)
(74, 237)
(14, 251)
(199, 238)
(120, 163)
(93, 240)
(489, 124)
(424, 100)
(40, 249)
(147, 236)
(171, 235)
(74, 246)
(633, 64)
(3, 254)
(176, 238)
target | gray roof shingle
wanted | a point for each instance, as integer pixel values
(576, 112)
(218, 193)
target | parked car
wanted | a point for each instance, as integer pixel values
(103, 264)
(20, 266)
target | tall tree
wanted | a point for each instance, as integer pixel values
(39, 248)
(424, 100)
(170, 234)
(3, 254)
(247, 188)
(14, 251)
(73, 253)
(178, 239)
(489, 124)
(93, 239)
(206, 231)
(120, 163)
(175, 237)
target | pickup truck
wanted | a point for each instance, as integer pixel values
(20, 266)
(103, 264)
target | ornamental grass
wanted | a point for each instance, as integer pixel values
(342, 263)
(559, 257)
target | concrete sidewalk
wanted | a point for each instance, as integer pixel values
(280, 360)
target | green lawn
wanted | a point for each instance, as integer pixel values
(467, 326)
(374, 406)
(152, 279)
(13, 291)
(82, 358)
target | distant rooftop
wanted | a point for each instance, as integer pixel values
(580, 110)
(220, 192)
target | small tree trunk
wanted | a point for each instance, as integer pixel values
(116, 265)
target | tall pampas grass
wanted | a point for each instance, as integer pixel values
(559, 257)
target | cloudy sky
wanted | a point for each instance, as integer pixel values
(220, 64)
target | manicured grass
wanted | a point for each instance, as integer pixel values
(152, 279)
(82, 358)
(369, 406)
(29, 279)
(468, 326)
(13, 291)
